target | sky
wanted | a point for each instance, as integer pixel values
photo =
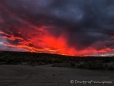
(70, 27)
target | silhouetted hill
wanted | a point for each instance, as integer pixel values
(34, 59)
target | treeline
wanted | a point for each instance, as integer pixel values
(10, 56)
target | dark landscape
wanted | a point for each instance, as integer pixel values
(35, 59)
(42, 69)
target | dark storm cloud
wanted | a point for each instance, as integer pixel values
(86, 22)
(3, 47)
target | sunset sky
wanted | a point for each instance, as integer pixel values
(70, 27)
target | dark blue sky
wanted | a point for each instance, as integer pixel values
(88, 23)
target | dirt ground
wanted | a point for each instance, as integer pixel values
(46, 75)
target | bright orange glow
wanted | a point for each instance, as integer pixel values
(40, 40)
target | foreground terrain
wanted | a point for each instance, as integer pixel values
(46, 75)
(41, 69)
(36, 59)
